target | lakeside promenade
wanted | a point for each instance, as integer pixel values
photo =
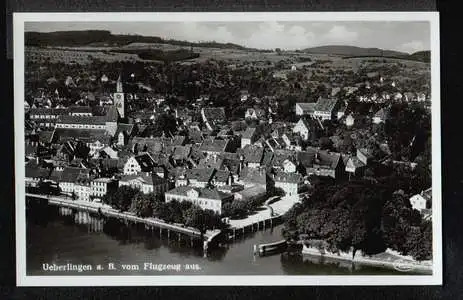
(127, 216)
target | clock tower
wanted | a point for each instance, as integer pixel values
(119, 101)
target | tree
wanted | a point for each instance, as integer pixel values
(122, 198)
(142, 205)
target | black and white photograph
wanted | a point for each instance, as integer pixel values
(227, 148)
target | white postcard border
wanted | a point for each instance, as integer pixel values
(205, 280)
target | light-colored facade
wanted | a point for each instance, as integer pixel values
(301, 129)
(131, 166)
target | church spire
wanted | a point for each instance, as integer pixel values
(119, 85)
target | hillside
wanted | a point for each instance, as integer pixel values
(106, 38)
(353, 51)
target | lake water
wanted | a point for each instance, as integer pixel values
(54, 237)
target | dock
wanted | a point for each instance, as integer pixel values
(269, 215)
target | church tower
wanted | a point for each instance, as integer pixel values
(119, 101)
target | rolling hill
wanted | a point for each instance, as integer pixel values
(353, 51)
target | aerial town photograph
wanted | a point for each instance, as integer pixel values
(228, 148)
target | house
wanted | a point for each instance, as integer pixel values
(354, 166)
(214, 146)
(99, 187)
(364, 155)
(290, 183)
(302, 128)
(289, 166)
(328, 164)
(196, 177)
(321, 163)
(146, 182)
(255, 114)
(251, 155)
(138, 163)
(75, 180)
(206, 198)
(422, 200)
(349, 120)
(381, 116)
(305, 109)
(326, 108)
(248, 137)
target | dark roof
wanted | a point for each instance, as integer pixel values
(127, 128)
(33, 170)
(330, 159)
(80, 109)
(92, 120)
(48, 111)
(252, 153)
(231, 164)
(206, 193)
(221, 175)
(202, 175)
(267, 158)
(85, 135)
(145, 161)
(181, 152)
(325, 104)
(72, 174)
(254, 175)
(214, 145)
(45, 136)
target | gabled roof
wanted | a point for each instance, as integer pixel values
(205, 193)
(382, 114)
(306, 107)
(80, 109)
(72, 174)
(92, 120)
(252, 153)
(214, 145)
(202, 175)
(85, 135)
(181, 152)
(145, 161)
(325, 104)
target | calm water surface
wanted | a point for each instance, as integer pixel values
(83, 238)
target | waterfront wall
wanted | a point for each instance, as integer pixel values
(387, 259)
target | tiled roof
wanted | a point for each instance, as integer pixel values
(145, 161)
(72, 174)
(35, 171)
(325, 105)
(202, 175)
(306, 107)
(221, 175)
(205, 193)
(92, 120)
(80, 109)
(84, 135)
(252, 153)
(214, 145)
(48, 111)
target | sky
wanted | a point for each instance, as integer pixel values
(405, 36)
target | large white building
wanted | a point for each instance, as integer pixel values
(205, 198)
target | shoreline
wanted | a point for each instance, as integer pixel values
(389, 259)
